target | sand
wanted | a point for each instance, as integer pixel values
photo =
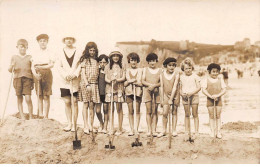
(42, 141)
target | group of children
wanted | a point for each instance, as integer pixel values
(104, 80)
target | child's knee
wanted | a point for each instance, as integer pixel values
(187, 114)
(218, 115)
(195, 115)
(211, 115)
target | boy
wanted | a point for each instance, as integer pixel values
(133, 77)
(151, 81)
(23, 78)
(103, 61)
(169, 93)
(42, 62)
(214, 88)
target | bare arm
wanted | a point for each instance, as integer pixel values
(144, 80)
(174, 87)
(205, 92)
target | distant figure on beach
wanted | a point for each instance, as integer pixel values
(214, 88)
(23, 78)
(69, 70)
(43, 60)
(225, 75)
(239, 73)
(189, 88)
(151, 96)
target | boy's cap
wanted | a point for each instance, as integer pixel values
(42, 36)
(168, 60)
(22, 42)
(115, 53)
(74, 39)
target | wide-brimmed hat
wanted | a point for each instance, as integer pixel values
(42, 36)
(115, 53)
(69, 36)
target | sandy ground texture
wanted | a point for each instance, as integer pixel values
(43, 141)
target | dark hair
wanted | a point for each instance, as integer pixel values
(86, 55)
(112, 62)
(133, 56)
(188, 62)
(168, 60)
(102, 56)
(213, 65)
(151, 56)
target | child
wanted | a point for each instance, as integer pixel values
(169, 93)
(43, 61)
(151, 81)
(88, 88)
(190, 86)
(114, 72)
(23, 77)
(69, 69)
(133, 77)
(214, 87)
(103, 61)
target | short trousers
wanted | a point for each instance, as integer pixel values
(193, 100)
(102, 98)
(210, 102)
(116, 98)
(130, 99)
(176, 101)
(23, 86)
(45, 83)
(66, 92)
(148, 95)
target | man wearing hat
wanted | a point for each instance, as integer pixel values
(43, 61)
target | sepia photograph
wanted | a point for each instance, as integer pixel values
(129, 82)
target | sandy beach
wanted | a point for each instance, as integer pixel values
(43, 141)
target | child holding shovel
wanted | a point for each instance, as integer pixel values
(88, 88)
(151, 97)
(23, 78)
(69, 70)
(189, 88)
(169, 93)
(115, 72)
(133, 77)
(214, 88)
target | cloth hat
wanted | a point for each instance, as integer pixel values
(22, 42)
(115, 52)
(168, 60)
(69, 36)
(42, 36)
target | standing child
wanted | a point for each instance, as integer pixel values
(103, 61)
(190, 86)
(214, 87)
(23, 77)
(151, 97)
(43, 61)
(88, 88)
(69, 69)
(133, 77)
(115, 72)
(169, 93)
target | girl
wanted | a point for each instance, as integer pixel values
(88, 88)
(190, 86)
(133, 76)
(114, 72)
(169, 93)
(69, 69)
(151, 81)
(214, 87)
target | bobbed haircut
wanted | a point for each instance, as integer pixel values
(133, 56)
(213, 65)
(169, 60)
(151, 56)
(102, 56)
(187, 61)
